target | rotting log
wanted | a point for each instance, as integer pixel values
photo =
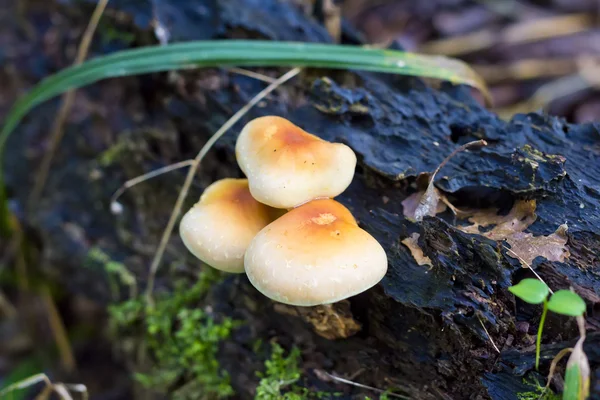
(422, 327)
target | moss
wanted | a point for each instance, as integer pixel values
(181, 340)
(383, 396)
(538, 392)
(108, 156)
(278, 382)
(114, 270)
(109, 32)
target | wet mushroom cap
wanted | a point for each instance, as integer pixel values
(315, 254)
(287, 166)
(219, 227)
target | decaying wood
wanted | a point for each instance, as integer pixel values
(421, 327)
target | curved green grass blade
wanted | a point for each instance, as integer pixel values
(240, 53)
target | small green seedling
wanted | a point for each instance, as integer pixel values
(565, 302)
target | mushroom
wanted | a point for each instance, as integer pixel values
(287, 166)
(219, 227)
(313, 255)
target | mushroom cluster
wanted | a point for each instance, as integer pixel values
(281, 226)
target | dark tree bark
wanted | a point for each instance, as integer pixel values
(422, 327)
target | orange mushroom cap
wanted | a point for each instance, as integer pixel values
(315, 254)
(219, 227)
(287, 166)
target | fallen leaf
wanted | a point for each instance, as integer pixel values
(551, 247)
(428, 203)
(520, 217)
(411, 203)
(412, 243)
(510, 227)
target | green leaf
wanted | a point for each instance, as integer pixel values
(530, 290)
(566, 302)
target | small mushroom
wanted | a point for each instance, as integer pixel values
(315, 254)
(287, 166)
(219, 227)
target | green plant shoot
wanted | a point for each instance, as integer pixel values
(565, 302)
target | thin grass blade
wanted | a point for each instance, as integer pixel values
(239, 53)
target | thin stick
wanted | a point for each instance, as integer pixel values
(58, 329)
(68, 98)
(145, 177)
(27, 382)
(488, 335)
(553, 365)
(62, 391)
(49, 388)
(430, 199)
(360, 385)
(142, 178)
(6, 306)
(192, 171)
(456, 151)
(529, 266)
(9, 252)
(251, 74)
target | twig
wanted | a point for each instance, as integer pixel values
(59, 388)
(68, 98)
(430, 199)
(115, 206)
(6, 306)
(488, 335)
(553, 365)
(360, 385)
(456, 151)
(58, 330)
(192, 171)
(332, 14)
(27, 382)
(251, 74)
(9, 252)
(528, 266)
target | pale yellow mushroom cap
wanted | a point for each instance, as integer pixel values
(287, 166)
(219, 228)
(315, 254)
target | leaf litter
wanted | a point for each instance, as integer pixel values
(412, 243)
(427, 203)
(510, 228)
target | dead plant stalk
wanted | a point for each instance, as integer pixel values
(68, 98)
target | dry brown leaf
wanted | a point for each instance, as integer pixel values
(412, 243)
(523, 246)
(428, 204)
(552, 247)
(411, 203)
(518, 219)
